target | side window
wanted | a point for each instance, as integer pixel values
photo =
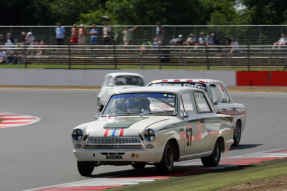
(110, 81)
(214, 93)
(227, 96)
(202, 103)
(224, 98)
(188, 103)
(105, 82)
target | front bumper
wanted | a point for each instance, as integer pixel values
(128, 156)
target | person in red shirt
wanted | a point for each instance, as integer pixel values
(41, 46)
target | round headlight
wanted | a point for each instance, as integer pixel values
(77, 135)
(149, 135)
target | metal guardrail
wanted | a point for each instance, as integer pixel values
(244, 34)
(101, 56)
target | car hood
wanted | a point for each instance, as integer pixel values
(121, 126)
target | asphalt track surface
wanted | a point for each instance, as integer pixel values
(40, 154)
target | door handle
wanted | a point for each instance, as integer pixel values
(202, 121)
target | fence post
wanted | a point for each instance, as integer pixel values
(115, 58)
(248, 50)
(69, 56)
(159, 57)
(207, 60)
(26, 59)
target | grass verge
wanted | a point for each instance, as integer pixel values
(217, 179)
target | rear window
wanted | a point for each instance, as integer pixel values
(128, 80)
(197, 85)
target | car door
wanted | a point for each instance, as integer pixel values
(208, 119)
(194, 143)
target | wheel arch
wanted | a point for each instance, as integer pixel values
(175, 145)
(221, 143)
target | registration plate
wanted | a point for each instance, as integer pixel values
(114, 157)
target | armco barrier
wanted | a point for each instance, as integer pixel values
(246, 78)
(278, 78)
(63, 77)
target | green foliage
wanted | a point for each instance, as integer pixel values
(93, 17)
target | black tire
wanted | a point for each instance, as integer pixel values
(214, 159)
(99, 105)
(237, 134)
(139, 165)
(85, 168)
(166, 164)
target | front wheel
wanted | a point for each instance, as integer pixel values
(237, 134)
(139, 165)
(99, 105)
(85, 168)
(166, 164)
(214, 159)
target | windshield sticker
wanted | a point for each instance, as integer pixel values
(182, 84)
(143, 96)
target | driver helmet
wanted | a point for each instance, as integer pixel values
(130, 81)
(134, 105)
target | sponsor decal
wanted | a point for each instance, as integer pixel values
(137, 155)
(132, 155)
(197, 85)
(164, 94)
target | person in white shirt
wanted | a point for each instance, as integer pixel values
(190, 41)
(33, 47)
(29, 38)
(2, 57)
(201, 40)
(234, 46)
(282, 41)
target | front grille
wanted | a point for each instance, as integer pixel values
(114, 140)
(126, 147)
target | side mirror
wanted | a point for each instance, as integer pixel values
(215, 102)
(185, 114)
(97, 116)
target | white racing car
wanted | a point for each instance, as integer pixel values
(155, 126)
(115, 82)
(218, 95)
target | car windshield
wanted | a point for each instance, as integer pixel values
(198, 85)
(142, 103)
(128, 80)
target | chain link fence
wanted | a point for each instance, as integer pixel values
(244, 34)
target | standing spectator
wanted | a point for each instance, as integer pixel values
(212, 40)
(82, 35)
(9, 37)
(29, 38)
(2, 57)
(159, 32)
(107, 33)
(2, 39)
(41, 47)
(201, 40)
(32, 46)
(23, 37)
(145, 45)
(60, 34)
(282, 41)
(94, 35)
(127, 33)
(75, 32)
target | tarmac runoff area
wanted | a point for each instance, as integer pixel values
(40, 155)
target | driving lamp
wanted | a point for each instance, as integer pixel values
(149, 135)
(77, 135)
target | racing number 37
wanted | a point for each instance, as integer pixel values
(188, 136)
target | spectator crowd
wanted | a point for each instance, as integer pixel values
(79, 36)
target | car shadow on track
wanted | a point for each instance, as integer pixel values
(245, 146)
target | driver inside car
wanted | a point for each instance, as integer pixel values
(134, 105)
